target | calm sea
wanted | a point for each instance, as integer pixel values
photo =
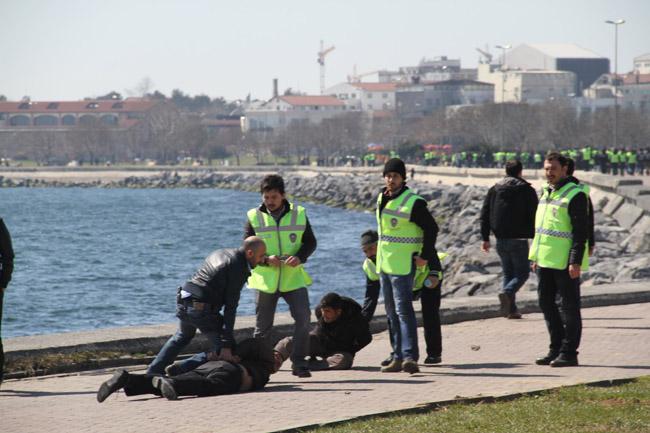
(99, 258)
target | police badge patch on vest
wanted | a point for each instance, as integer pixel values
(554, 211)
(293, 237)
(393, 222)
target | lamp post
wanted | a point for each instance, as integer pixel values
(503, 87)
(615, 23)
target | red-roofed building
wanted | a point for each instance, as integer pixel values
(281, 111)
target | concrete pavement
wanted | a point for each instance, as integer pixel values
(491, 357)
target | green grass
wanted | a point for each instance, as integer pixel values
(580, 409)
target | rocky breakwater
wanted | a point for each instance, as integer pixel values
(622, 254)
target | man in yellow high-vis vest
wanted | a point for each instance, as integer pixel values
(559, 255)
(289, 240)
(407, 239)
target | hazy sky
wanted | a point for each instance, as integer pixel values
(70, 49)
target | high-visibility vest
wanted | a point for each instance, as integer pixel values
(631, 157)
(537, 157)
(399, 238)
(421, 272)
(553, 234)
(283, 238)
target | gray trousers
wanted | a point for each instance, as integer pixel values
(298, 302)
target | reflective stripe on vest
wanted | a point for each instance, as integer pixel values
(283, 238)
(399, 238)
(553, 231)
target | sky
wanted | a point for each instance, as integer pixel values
(71, 49)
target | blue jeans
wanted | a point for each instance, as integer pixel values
(514, 260)
(398, 300)
(191, 319)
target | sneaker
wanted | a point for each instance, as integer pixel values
(394, 366)
(409, 366)
(565, 360)
(432, 360)
(387, 361)
(301, 372)
(118, 381)
(504, 300)
(165, 387)
(172, 370)
(546, 360)
(515, 315)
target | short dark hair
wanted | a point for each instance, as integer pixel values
(272, 182)
(331, 300)
(571, 167)
(513, 167)
(557, 156)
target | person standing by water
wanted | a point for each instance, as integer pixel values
(407, 235)
(7, 263)
(216, 285)
(509, 212)
(289, 240)
(559, 255)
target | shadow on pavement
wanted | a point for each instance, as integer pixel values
(612, 318)
(15, 393)
(484, 365)
(640, 328)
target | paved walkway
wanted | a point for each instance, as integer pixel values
(490, 357)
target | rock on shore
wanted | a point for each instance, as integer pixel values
(456, 209)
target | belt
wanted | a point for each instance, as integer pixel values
(199, 306)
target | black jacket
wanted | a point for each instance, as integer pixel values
(349, 333)
(6, 255)
(509, 210)
(590, 231)
(219, 282)
(308, 239)
(423, 218)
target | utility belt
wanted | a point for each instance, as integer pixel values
(190, 301)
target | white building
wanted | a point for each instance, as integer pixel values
(633, 90)
(642, 64)
(585, 64)
(365, 96)
(281, 111)
(534, 86)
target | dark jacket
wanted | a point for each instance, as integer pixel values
(349, 333)
(579, 222)
(219, 282)
(509, 210)
(590, 231)
(6, 255)
(256, 356)
(423, 218)
(308, 239)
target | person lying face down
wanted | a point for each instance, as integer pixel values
(250, 370)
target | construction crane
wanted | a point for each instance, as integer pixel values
(321, 61)
(356, 78)
(486, 55)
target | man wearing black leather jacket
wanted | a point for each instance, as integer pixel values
(216, 285)
(6, 269)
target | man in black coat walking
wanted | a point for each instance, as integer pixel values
(509, 212)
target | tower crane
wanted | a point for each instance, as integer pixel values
(321, 61)
(356, 78)
(486, 55)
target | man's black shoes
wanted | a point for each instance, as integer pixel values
(565, 361)
(387, 361)
(546, 360)
(504, 301)
(165, 386)
(301, 372)
(118, 381)
(430, 360)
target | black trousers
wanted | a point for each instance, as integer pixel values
(222, 378)
(564, 324)
(430, 302)
(2, 352)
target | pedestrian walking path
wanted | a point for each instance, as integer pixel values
(491, 357)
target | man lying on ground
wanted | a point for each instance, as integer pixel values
(253, 363)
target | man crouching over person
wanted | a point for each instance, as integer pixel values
(249, 370)
(340, 333)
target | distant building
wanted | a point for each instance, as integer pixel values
(280, 111)
(586, 65)
(62, 115)
(534, 86)
(365, 96)
(642, 64)
(436, 69)
(415, 100)
(633, 91)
